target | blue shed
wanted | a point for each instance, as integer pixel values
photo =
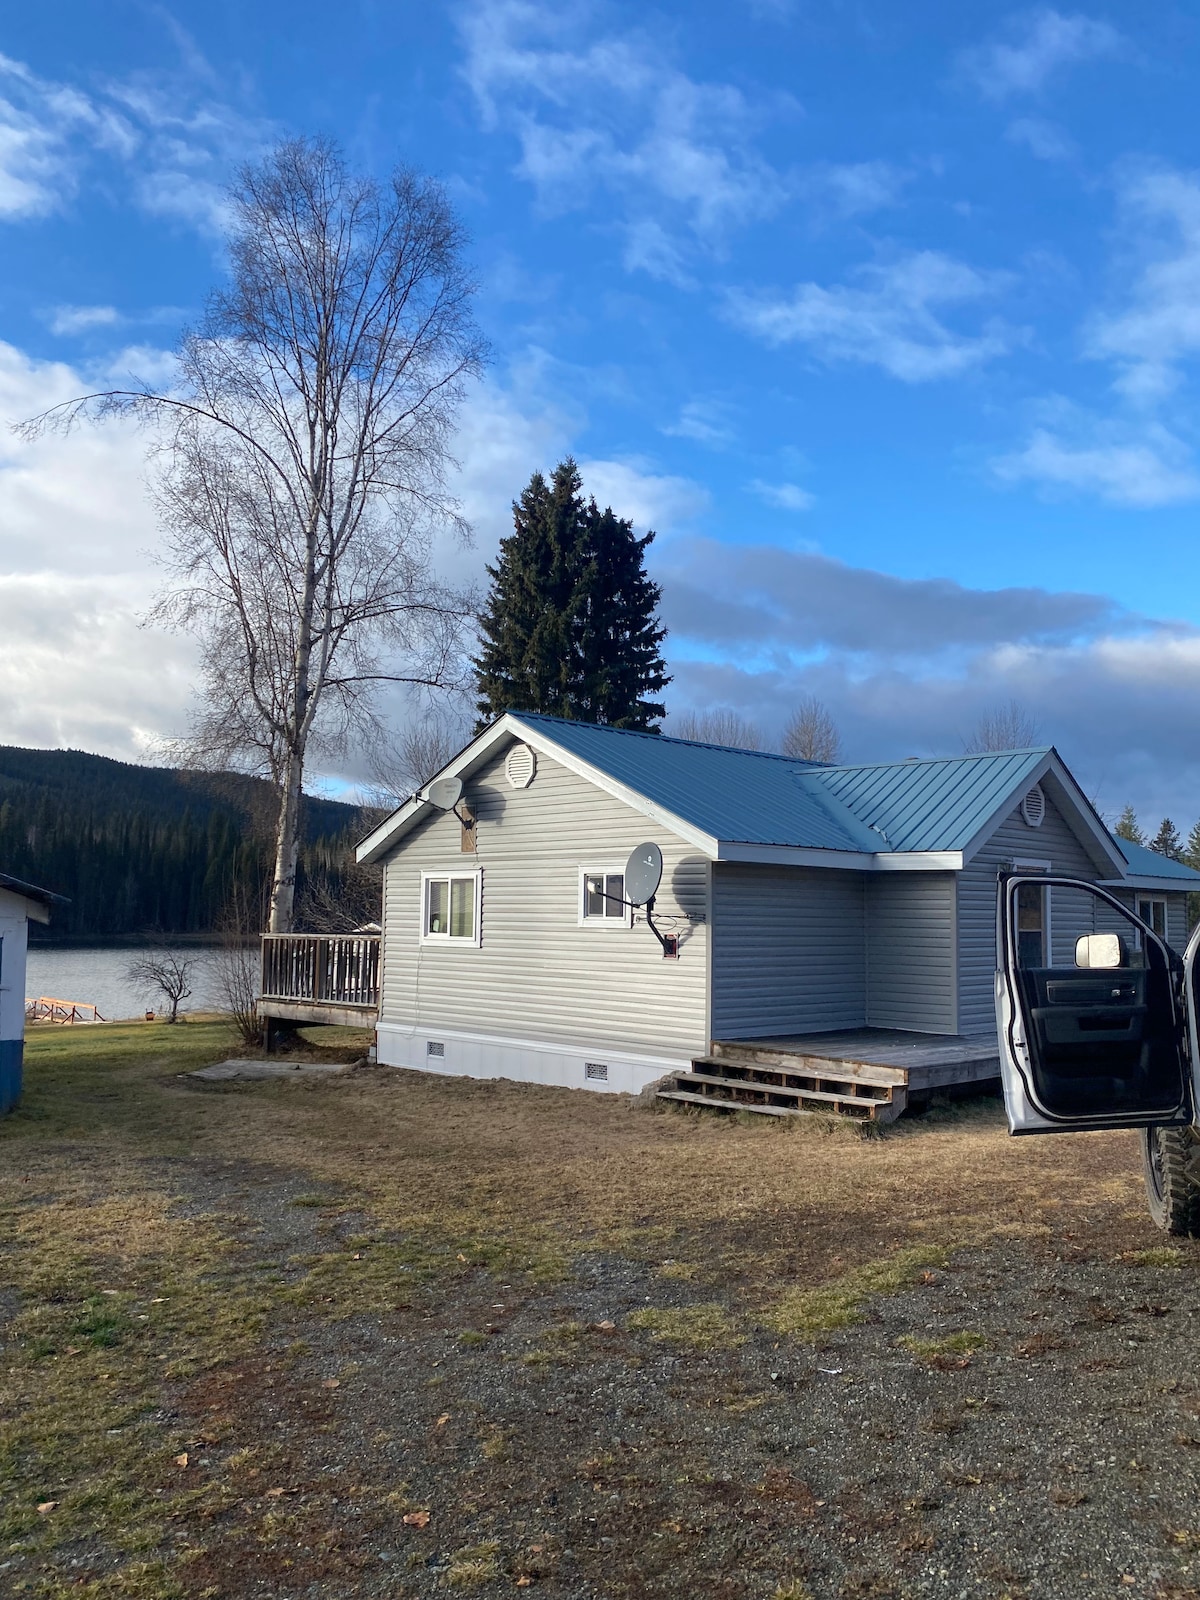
(20, 903)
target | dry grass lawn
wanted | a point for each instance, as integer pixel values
(152, 1302)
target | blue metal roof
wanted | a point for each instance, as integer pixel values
(932, 805)
(1145, 863)
(742, 796)
(750, 797)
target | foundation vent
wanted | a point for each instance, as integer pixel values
(596, 1069)
(434, 1047)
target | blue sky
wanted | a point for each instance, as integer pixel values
(885, 317)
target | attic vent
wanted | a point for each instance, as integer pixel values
(1033, 807)
(434, 1047)
(520, 766)
(596, 1069)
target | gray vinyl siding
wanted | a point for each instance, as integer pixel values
(1013, 839)
(788, 950)
(1177, 925)
(537, 974)
(911, 951)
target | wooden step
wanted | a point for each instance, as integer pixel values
(811, 1066)
(776, 1093)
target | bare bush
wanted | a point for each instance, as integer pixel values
(239, 963)
(1009, 727)
(810, 733)
(165, 972)
(722, 726)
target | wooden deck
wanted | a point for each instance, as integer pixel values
(867, 1073)
(326, 978)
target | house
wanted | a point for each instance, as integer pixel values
(20, 904)
(808, 900)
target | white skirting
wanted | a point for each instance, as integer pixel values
(473, 1055)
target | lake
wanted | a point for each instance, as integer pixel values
(97, 976)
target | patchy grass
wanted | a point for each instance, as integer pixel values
(701, 1327)
(811, 1313)
(151, 1319)
(1161, 1256)
(963, 1343)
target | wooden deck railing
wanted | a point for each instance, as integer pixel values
(321, 969)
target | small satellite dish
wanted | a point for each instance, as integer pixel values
(445, 793)
(643, 874)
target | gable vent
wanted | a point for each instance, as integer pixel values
(1033, 807)
(520, 766)
(596, 1069)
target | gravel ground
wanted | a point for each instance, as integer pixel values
(1042, 1439)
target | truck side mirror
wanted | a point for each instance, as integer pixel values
(1100, 950)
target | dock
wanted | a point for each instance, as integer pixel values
(871, 1074)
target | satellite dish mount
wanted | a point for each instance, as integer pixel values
(643, 874)
(445, 795)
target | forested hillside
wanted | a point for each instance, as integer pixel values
(144, 850)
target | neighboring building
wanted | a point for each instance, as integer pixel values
(20, 904)
(807, 899)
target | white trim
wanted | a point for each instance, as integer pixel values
(1154, 885)
(480, 1055)
(447, 940)
(788, 855)
(1029, 864)
(624, 920)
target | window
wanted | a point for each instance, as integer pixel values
(450, 907)
(1031, 925)
(602, 899)
(1154, 914)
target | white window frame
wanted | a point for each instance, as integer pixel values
(1151, 900)
(625, 920)
(447, 939)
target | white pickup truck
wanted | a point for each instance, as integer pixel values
(1105, 1036)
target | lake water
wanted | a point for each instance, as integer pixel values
(97, 976)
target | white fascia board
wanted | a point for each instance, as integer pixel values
(393, 828)
(918, 861)
(1052, 764)
(19, 907)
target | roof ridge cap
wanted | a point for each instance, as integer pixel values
(671, 738)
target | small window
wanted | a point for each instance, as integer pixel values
(1031, 925)
(603, 899)
(1154, 914)
(451, 908)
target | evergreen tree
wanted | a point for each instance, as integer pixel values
(1127, 827)
(1166, 842)
(570, 625)
(620, 663)
(1191, 850)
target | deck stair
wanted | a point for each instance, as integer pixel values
(781, 1083)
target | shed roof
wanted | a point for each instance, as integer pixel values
(1146, 863)
(30, 891)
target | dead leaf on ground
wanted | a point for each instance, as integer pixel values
(416, 1519)
(442, 1420)
(523, 1582)
(181, 1460)
(605, 1326)
(330, 1383)
(46, 1505)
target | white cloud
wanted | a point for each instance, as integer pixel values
(1141, 465)
(1038, 45)
(784, 496)
(856, 187)
(1159, 327)
(173, 142)
(613, 112)
(704, 421)
(1045, 140)
(78, 319)
(652, 500)
(892, 317)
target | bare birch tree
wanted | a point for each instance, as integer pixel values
(301, 467)
(810, 733)
(1009, 727)
(723, 726)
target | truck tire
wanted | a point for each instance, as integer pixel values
(1171, 1168)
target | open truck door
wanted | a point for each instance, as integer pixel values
(1097, 1028)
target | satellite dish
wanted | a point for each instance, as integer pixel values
(445, 793)
(643, 874)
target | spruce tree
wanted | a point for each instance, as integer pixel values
(1166, 842)
(1127, 827)
(527, 658)
(1191, 850)
(570, 625)
(619, 639)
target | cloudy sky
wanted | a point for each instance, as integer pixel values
(886, 318)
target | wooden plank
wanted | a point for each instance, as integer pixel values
(764, 1111)
(942, 1077)
(789, 1089)
(814, 1066)
(303, 1011)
